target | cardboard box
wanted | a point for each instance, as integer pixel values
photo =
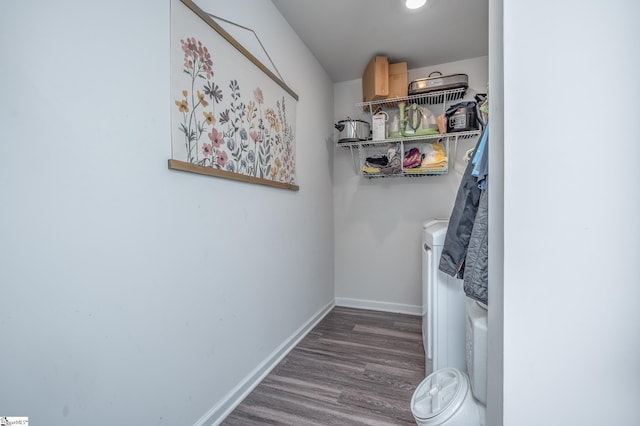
(398, 80)
(375, 80)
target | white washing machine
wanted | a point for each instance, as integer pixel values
(443, 305)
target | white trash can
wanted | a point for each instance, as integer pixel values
(444, 398)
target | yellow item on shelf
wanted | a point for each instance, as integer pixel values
(371, 170)
(436, 158)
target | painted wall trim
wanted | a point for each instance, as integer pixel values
(232, 399)
(374, 305)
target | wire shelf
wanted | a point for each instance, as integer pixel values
(369, 143)
(359, 149)
(432, 98)
(403, 175)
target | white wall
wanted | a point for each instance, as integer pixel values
(132, 293)
(378, 222)
(571, 209)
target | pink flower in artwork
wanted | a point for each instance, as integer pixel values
(191, 43)
(205, 58)
(188, 46)
(207, 149)
(196, 57)
(222, 159)
(254, 135)
(216, 137)
(257, 94)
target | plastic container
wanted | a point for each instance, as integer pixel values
(444, 398)
(477, 348)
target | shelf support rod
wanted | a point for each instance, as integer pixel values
(353, 160)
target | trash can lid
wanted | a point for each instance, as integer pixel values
(439, 395)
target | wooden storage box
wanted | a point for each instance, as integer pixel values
(375, 80)
(398, 80)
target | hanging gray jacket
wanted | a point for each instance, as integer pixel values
(476, 275)
(454, 252)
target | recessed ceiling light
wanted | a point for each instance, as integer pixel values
(414, 4)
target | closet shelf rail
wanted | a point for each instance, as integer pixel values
(367, 143)
(433, 98)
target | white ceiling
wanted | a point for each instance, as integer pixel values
(345, 34)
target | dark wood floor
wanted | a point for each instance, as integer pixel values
(356, 367)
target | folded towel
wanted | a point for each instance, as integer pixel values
(421, 171)
(434, 155)
(435, 167)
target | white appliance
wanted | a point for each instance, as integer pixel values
(443, 305)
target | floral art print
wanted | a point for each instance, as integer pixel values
(222, 119)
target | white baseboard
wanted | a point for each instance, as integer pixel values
(223, 408)
(400, 308)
